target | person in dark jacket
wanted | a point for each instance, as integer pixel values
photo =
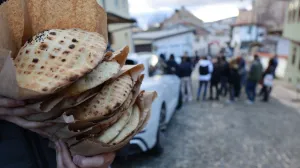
(225, 72)
(172, 66)
(215, 79)
(270, 70)
(234, 81)
(242, 73)
(254, 76)
(274, 63)
(267, 83)
(185, 71)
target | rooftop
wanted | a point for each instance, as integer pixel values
(153, 35)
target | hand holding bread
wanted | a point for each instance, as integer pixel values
(62, 77)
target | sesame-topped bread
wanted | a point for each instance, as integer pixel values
(55, 58)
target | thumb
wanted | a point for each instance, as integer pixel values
(96, 161)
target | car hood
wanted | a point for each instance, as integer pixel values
(151, 83)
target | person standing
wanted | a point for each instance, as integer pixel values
(234, 81)
(172, 66)
(225, 72)
(267, 84)
(205, 71)
(274, 63)
(185, 71)
(254, 76)
(242, 73)
(215, 80)
(196, 59)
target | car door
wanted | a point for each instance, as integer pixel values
(169, 84)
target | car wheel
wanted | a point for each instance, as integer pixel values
(179, 103)
(158, 149)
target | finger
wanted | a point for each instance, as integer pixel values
(41, 132)
(26, 124)
(16, 111)
(5, 102)
(96, 161)
(66, 155)
(59, 160)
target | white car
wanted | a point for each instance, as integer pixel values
(168, 88)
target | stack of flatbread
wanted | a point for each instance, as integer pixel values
(64, 73)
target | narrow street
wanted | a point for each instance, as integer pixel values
(220, 135)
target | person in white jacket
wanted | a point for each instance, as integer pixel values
(205, 70)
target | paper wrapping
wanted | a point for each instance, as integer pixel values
(21, 19)
(90, 146)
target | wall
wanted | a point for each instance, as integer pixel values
(292, 21)
(176, 45)
(123, 37)
(283, 47)
(200, 45)
(293, 70)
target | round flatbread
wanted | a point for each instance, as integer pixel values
(130, 127)
(113, 131)
(110, 98)
(55, 58)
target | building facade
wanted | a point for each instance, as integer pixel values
(176, 40)
(291, 32)
(246, 32)
(120, 34)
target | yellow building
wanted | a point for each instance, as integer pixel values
(291, 32)
(119, 23)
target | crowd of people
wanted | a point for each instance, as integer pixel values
(224, 78)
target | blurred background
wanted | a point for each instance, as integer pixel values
(166, 34)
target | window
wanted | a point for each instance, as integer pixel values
(299, 13)
(294, 55)
(117, 3)
(130, 62)
(290, 16)
(299, 62)
(249, 29)
(156, 66)
(110, 38)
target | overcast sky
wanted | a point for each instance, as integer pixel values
(207, 10)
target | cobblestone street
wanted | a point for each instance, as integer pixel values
(220, 135)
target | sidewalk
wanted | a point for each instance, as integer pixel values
(286, 94)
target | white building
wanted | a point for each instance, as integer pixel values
(119, 23)
(246, 32)
(219, 36)
(175, 41)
